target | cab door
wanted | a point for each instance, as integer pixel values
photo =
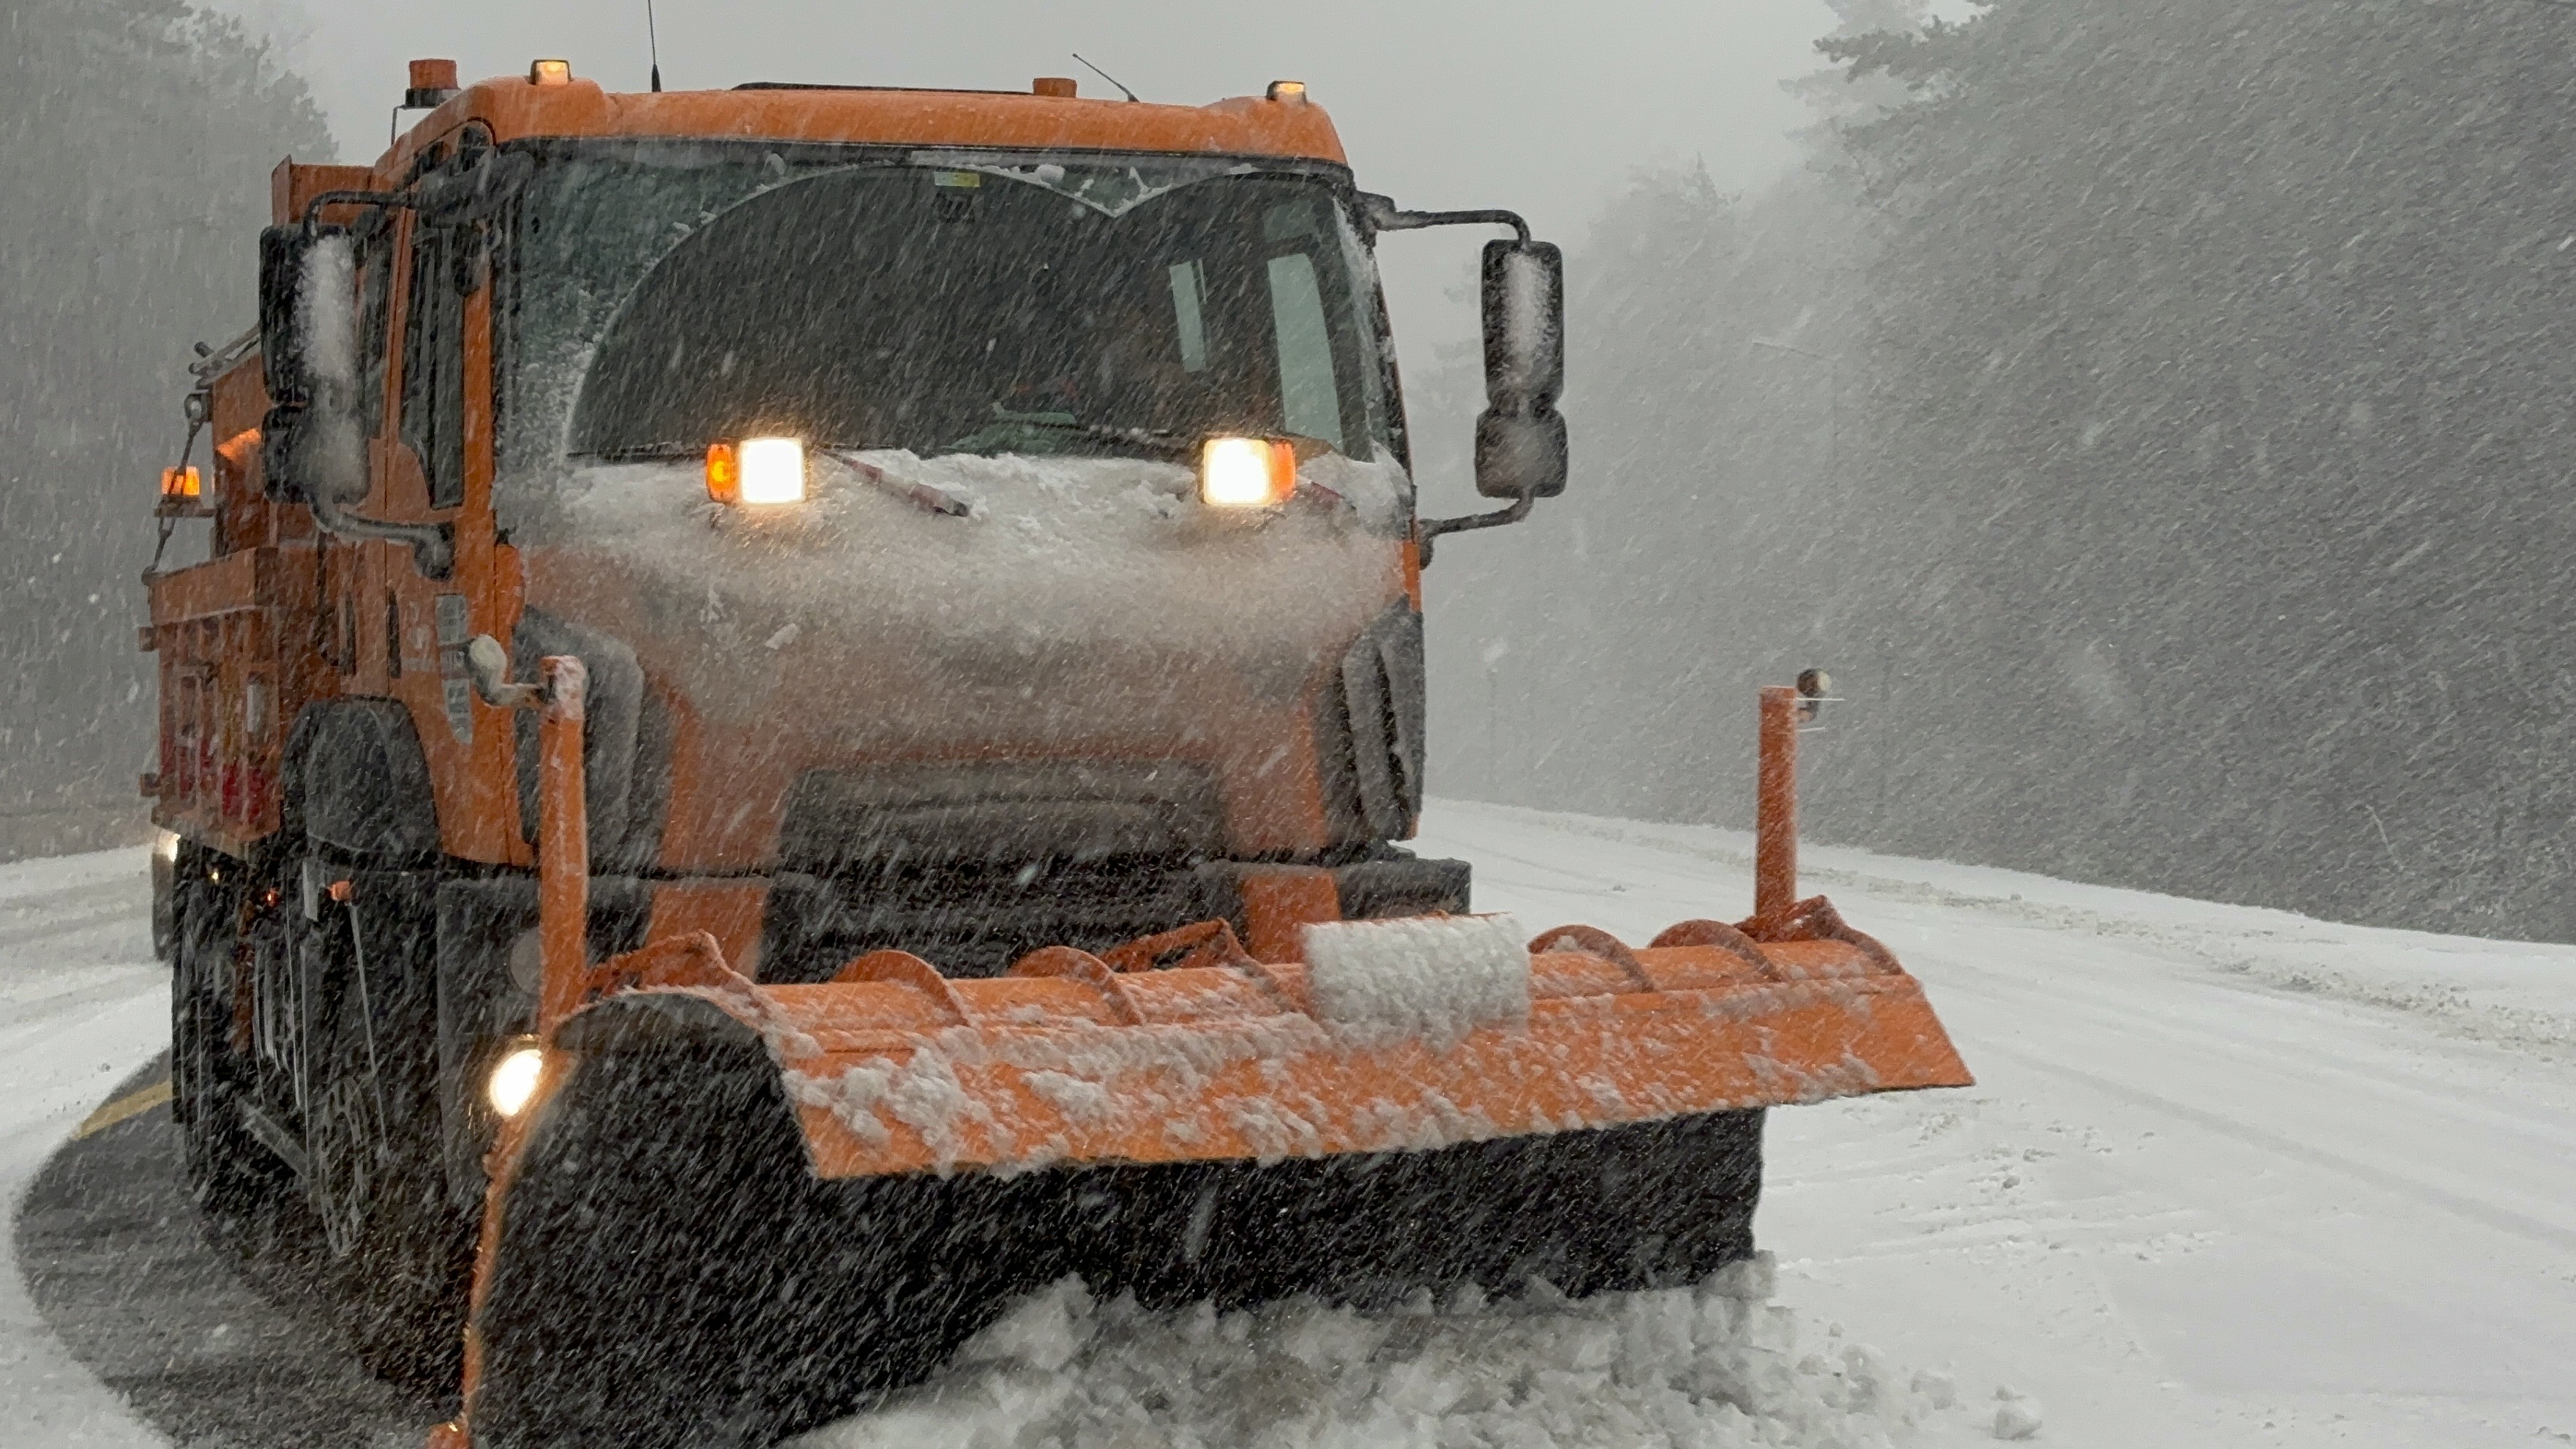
(434, 462)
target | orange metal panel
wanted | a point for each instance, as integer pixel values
(235, 670)
(252, 578)
(1279, 902)
(728, 910)
(204, 590)
(241, 398)
(291, 187)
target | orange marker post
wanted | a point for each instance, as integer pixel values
(1775, 830)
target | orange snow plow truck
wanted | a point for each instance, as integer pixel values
(795, 722)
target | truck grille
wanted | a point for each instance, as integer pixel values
(972, 866)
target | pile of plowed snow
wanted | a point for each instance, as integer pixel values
(1717, 1366)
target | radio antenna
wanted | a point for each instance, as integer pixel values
(653, 42)
(1104, 75)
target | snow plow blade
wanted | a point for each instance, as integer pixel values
(733, 1210)
(767, 1202)
(909, 1072)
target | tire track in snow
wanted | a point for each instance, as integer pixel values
(2501, 1219)
(2149, 1209)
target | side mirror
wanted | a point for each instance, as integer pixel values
(314, 441)
(1520, 437)
(283, 252)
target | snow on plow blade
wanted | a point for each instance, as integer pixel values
(733, 1210)
(1072, 1061)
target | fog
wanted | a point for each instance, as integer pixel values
(2152, 531)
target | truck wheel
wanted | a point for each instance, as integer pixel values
(399, 1257)
(236, 1182)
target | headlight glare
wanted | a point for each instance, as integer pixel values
(773, 470)
(1247, 472)
(513, 1082)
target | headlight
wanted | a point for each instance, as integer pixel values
(1247, 472)
(757, 471)
(514, 1080)
(165, 844)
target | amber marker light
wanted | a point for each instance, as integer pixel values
(724, 473)
(550, 73)
(1246, 472)
(757, 471)
(183, 483)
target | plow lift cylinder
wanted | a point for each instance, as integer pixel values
(731, 1210)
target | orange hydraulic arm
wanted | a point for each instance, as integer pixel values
(563, 844)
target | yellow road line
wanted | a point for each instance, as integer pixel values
(132, 1104)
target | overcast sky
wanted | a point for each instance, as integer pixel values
(1544, 108)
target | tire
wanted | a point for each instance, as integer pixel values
(397, 1259)
(234, 1181)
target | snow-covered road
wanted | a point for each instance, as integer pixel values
(82, 1004)
(2229, 1177)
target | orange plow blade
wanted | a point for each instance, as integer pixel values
(757, 1205)
(909, 1072)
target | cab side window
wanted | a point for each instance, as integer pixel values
(433, 405)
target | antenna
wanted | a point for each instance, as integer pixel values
(653, 41)
(1095, 70)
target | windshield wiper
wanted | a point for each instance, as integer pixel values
(1009, 421)
(1164, 440)
(925, 496)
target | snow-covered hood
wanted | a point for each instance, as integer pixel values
(1061, 574)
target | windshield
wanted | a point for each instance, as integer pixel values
(978, 306)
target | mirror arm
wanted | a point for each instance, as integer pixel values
(1382, 214)
(425, 195)
(433, 545)
(313, 208)
(213, 362)
(1425, 530)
